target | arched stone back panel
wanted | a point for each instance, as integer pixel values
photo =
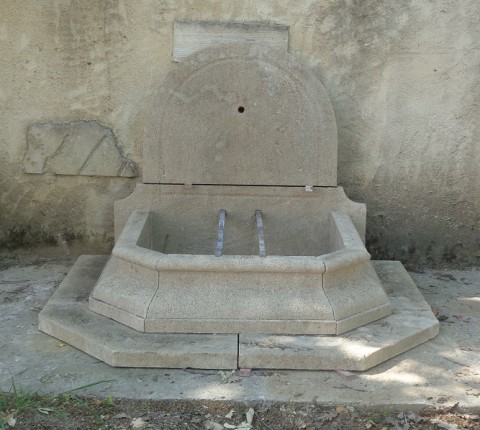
(241, 114)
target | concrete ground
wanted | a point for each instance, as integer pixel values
(441, 372)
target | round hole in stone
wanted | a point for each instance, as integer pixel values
(241, 109)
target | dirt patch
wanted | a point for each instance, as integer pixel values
(93, 413)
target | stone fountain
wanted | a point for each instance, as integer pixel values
(239, 249)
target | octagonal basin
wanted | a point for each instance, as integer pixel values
(315, 277)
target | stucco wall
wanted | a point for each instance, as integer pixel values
(403, 78)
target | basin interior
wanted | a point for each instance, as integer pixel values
(194, 231)
(185, 221)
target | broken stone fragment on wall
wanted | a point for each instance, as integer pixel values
(75, 148)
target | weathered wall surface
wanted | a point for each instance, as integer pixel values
(403, 78)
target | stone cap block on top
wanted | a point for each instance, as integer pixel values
(190, 37)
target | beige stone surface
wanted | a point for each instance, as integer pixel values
(240, 302)
(359, 349)
(353, 289)
(67, 317)
(241, 114)
(76, 148)
(191, 37)
(151, 290)
(124, 292)
(445, 368)
(378, 342)
(296, 222)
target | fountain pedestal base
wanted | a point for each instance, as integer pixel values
(67, 317)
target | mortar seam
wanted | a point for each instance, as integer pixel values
(151, 300)
(328, 300)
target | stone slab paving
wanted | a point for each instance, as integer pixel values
(443, 371)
